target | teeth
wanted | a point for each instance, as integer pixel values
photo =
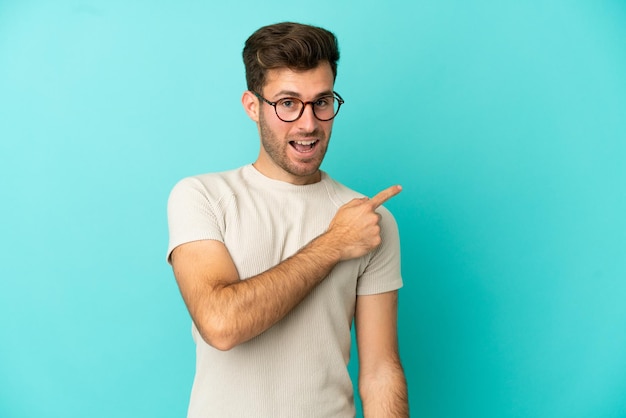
(305, 142)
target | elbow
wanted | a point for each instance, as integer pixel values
(218, 335)
(222, 344)
(389, 375)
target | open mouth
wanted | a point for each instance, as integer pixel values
(304, 146)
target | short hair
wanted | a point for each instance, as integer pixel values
(287, 45)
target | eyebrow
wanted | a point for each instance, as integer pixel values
(289, 93)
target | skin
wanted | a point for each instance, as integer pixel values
(278, 159)
(229, 311)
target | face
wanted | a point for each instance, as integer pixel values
(292, 151)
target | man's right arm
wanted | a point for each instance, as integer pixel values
(229, 311)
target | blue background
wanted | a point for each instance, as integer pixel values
(505, 122)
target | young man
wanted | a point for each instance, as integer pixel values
(275, 259)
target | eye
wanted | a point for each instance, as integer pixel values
(287, 103)
(323, 102)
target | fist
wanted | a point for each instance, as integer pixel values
(355, 229)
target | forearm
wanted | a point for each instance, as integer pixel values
(385, 394)
(238, 311)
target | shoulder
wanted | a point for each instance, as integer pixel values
(208, 186)
(338, 192)
(342, 194)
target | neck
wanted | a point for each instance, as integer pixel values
(277, 173)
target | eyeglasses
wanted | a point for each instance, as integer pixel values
(289, 109)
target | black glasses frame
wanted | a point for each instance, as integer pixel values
(336, 95)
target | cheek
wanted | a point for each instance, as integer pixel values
(328, 129)
(272, 129)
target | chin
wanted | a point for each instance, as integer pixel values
(302, 172)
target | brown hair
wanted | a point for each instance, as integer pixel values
(291, 45)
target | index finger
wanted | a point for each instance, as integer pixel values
(385, 195)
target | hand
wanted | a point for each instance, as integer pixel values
(355, 229)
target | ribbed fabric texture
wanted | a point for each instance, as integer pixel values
(297, 368)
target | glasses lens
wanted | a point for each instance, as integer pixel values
(326, 107)
(289, 109)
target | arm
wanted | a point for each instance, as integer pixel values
(228, 311)
(382, 384)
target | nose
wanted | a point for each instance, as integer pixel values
(307, 122)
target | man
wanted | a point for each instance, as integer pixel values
(275, 259)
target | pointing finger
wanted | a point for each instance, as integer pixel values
(385, 195)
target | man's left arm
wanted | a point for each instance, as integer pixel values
(382, 384)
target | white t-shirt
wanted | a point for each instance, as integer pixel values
(297, 368)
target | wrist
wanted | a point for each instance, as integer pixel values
(327, 248)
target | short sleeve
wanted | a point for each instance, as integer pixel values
(191, 215)
(382, 273)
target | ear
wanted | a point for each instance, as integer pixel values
(250, 105)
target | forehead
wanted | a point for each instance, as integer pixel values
(300, 83)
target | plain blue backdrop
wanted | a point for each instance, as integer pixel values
(504, 121)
